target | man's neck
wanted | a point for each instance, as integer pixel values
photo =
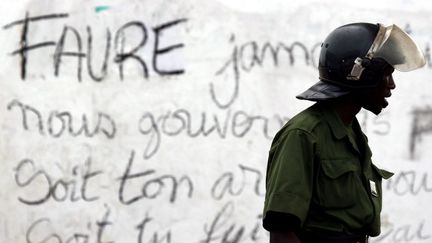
(346, 109)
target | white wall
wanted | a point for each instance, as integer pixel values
(179, 154)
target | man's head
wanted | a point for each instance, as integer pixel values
(358, 59)
(373, 98)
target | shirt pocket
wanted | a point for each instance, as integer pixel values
(338, 183)
(376, 178)
(380, 173)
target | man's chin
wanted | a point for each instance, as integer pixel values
(376, 110)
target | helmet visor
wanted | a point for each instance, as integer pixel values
(398, 49)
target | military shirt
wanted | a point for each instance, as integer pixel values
(321, 173)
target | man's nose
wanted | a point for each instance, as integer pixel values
(390, 82)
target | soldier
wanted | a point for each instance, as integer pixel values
(321, 185)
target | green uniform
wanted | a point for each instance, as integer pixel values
(320, 171)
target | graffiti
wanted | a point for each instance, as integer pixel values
(153, 127)
(250, 55)
(225, 230)
(409, 183)
(153, 187)
(229, 184)
(206, 124)
(39, 232)
(405, 233)
(59, 123)
(65, 189)
(421, 126)
(63, 48)
(164, 188)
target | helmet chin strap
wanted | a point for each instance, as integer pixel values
(358, 67)
(361, 63)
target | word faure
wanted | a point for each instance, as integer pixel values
(124, 36)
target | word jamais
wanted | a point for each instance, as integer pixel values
(62, 46)
(247, 56)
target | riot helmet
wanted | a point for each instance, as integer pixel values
(354, 56)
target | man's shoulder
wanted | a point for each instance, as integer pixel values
(307, 120)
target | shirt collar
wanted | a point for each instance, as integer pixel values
(335, 123)
(338, 127)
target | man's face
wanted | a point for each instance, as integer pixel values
(374, 99)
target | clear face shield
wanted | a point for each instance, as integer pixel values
(394, 46)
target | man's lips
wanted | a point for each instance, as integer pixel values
(385, 102)
(387, 95)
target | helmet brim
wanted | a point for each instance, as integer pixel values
(323, 91)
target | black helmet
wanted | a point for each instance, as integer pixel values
(354, 56)
(340, 51)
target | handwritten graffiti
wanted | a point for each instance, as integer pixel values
(41, 231)
(63, 48)
(59, 123)
(405, 233)
(149, 50)
(247, 56)
(421, 126)
(409, 183)
(181, 121)
(228, 184)
(223, 228)
(152, 126)
(39, 186)
(153, 186)
(74, 188)
(155, 237)
(427, 54)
